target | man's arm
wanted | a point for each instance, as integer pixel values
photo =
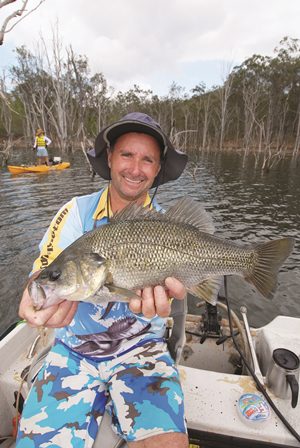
(63, 230)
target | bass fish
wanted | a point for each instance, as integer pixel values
(141, 247)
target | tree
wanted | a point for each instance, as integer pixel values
(20, 12)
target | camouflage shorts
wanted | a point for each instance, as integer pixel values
(68, 399)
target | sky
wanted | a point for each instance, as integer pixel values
(158, 42)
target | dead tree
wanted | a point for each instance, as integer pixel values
(20, 13)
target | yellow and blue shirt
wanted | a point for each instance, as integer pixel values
(89, 333)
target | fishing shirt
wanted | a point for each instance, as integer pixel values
(96, 331)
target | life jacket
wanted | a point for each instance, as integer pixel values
(40, 141)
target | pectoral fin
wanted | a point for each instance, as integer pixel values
(125, 294)
(208, 289)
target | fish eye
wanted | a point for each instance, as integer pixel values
(54, 275)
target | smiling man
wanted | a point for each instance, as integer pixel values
(134, 162)
(116, 350)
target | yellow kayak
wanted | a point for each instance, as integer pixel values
(37, 168)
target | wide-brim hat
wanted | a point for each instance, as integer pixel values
(173, 161)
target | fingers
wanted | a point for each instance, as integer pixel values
(155, 301)
(63, 315)
(54, 317)
(162, 302)
(148, 302)
(135, 305)
(176, 288)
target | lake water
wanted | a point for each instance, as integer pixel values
(247, 205)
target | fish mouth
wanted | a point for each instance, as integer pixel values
(37, 294)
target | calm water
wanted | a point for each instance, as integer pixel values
(246, 204)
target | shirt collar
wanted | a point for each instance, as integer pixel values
(103, 209)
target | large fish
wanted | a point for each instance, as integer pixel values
(141, 247)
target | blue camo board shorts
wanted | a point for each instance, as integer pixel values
(42, 152)
(69, 396)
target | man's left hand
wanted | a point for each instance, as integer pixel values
(157, 300)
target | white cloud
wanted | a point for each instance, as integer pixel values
(154, 43)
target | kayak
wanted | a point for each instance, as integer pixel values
(37, 168)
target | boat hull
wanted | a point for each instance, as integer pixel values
(15, 169)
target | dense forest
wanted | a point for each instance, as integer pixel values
(257, 109)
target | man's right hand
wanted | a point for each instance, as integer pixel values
(55, 316)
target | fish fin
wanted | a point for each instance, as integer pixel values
(208, 289)
(124, 295)
(189, 211)
(134, 211)
(107, 309)
(269, 258)
(104, 295)
(186, 210)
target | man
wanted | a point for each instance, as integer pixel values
(118, 349)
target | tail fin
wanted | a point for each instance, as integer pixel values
(270, 257)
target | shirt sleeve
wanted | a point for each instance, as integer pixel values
(65, 228)
(48, 141)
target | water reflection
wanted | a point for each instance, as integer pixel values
(246, 204)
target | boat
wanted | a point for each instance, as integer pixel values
(21, 169)
(236, 395)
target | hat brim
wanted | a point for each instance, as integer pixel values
(173, 161)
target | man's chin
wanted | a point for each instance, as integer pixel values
(132, 194)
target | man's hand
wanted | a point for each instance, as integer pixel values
(156, 300)
(55, 316)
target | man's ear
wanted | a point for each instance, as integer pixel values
(159, 168)
(108, 158)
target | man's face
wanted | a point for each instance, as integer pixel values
(134, 163)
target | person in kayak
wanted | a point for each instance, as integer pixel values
(116, 350)
(41, 142)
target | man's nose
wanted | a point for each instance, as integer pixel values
(136, 166)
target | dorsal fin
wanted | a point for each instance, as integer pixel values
(186, 211)
(189, 211)
(134, 211)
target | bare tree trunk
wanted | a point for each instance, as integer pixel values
(206, 110)
(58, 110)
(250, 97)
(297, 139)
(225, 92)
